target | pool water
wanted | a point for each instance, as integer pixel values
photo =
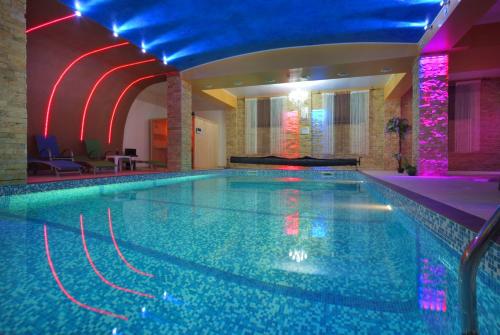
(221, 254)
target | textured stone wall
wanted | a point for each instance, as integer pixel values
(488, 157)
(430, 115)
(235, 130)
(381, 146)
(392, 108)
(179, 124)
(406, 113)
(13, 115)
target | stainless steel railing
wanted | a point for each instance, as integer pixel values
(469, 264)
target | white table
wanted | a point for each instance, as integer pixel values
(118, 159)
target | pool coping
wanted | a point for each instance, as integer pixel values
(468, 220)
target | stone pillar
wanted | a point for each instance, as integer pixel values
(430, 115)
(179, 124)
(13, 114)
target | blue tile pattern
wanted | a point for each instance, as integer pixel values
(228, 249)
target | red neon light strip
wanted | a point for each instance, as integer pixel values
(61, 76)
(94, 88)
(63, 290)
(130, 266)
(49, 23)
(84, 242)
(122, 94)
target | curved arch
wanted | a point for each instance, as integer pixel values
(63, 289)
(51, 22)
(66, 70)
(97, 83)
(120, 97)
(99, 274)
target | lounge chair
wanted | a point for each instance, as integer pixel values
(95, 160)
(51, 157)
(58, 166)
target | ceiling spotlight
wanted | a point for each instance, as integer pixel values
(115, 30)
(165, 61)
(386, 69)
(143, 47)
(342, 74)
(444, 2)
(78, 8)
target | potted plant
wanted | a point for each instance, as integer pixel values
(401, 127)
(411, 170)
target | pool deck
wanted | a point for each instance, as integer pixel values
(473, 193)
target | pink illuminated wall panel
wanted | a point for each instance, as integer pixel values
(432, 118)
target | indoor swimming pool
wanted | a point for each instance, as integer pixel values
(230, 252)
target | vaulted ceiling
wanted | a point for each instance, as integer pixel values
(195, 32)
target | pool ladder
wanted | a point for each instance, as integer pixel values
(469, 263)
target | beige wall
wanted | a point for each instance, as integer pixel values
(13, 116)
(381, 146)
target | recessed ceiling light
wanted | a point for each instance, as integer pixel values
(165, 60)
(342, 74)
(115, 30)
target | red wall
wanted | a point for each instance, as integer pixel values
(477, 56)
(488, 158)
(51, 49)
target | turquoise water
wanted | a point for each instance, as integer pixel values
(225, 255)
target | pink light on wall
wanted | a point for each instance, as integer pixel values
(120, 97)
(63, 289)
(50, 23)
(98, 82)
(63, 74)
(432, 158)
(291, 126)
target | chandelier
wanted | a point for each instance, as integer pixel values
(298, 96)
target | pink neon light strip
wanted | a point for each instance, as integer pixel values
(130, 266)
(66, 293)
(49, 23)
(61, 76)
(94, 88)
(84, 242)
(122, 94)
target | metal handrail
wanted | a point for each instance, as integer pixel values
(469, 264)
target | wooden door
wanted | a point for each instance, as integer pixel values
(206, 146)
(158, 140)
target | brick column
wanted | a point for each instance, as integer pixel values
(430, 115)
(13, 114)
(179, 124)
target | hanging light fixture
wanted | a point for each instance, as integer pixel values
(298, 96)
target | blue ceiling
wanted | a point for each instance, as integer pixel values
(193, 32)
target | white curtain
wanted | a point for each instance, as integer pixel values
(467, 116)
(250, 126)
(278, 107)
(359, 107)
(328, 138)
